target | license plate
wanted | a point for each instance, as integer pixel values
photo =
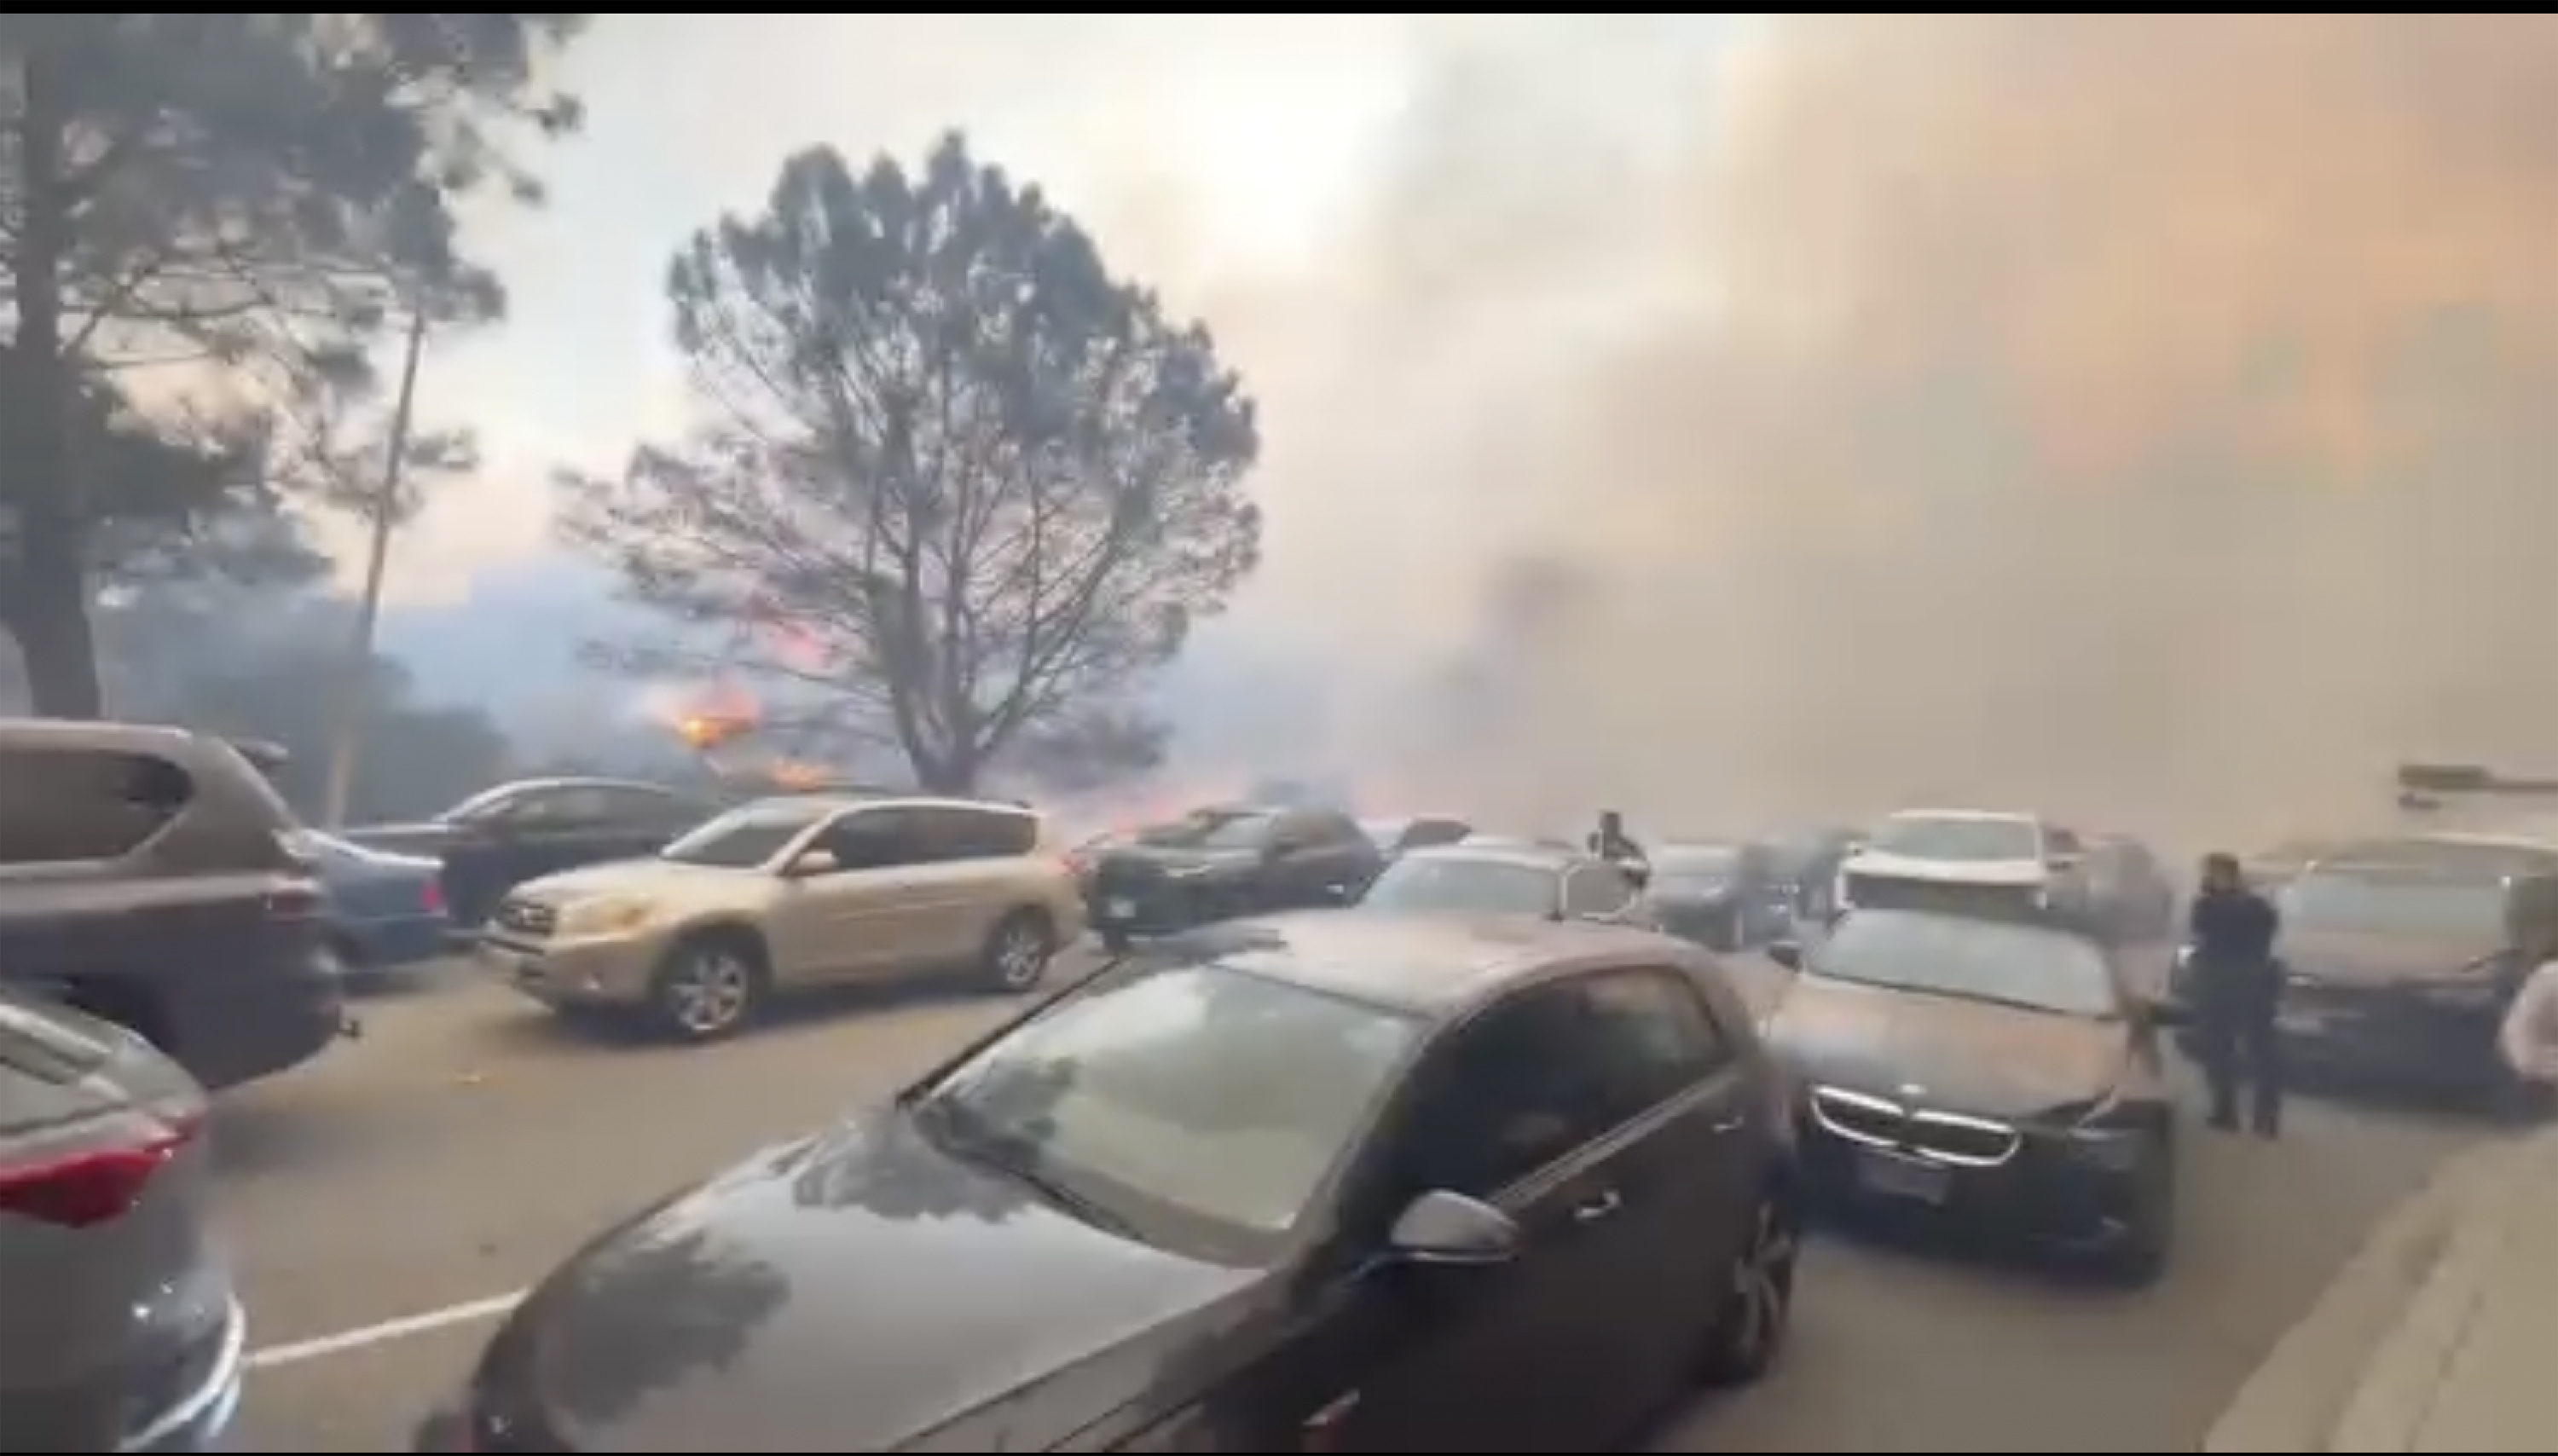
(1120, 910)
(1902, 1177)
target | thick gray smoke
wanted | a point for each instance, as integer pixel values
(2152, 417)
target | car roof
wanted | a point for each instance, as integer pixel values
(1523, 855)
(830, 803)
(1436, 966)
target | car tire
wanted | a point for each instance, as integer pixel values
(709, 986)
(1756, 1303)
(1018, 952)
(1116, 942)
(2149, 1235)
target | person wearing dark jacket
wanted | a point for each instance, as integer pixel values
(2235, 987)
(1613, 843)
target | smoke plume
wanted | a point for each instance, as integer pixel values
(2154, 419)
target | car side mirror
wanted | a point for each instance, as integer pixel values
(1786, 952)
(1443, 1228)
(814, 862)
(2167, 1011)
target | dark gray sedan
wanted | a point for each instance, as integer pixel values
(118, 1329)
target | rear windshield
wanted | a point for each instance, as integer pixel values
(2411, 904)
(1930, 837)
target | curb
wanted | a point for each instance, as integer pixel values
(2389, 1319)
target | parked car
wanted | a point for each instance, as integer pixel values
(789, 895)
(118, 1328)
(1219, 864)
(1393, 836)
(1957, 859)
(1725, 895)
(2401, 962)
(1490, 880)
(385, 912)
(148, 877)
(1806, 863)
(1315, 1182)
(497, 839)
(1999, 1074)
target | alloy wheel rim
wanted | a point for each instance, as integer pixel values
(1758, 1282)
(1018, 956)
(711, 993)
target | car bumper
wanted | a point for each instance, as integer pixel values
(569, 972)
(385, 945)
(2054, 1191)
(2424, 1046)
(197, 1420)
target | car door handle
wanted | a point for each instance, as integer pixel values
(1733, 1122)
(1597, 1206)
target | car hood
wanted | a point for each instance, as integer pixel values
(2365, 959)
(1971, 1057)
(859, 1292)
(1699, 894)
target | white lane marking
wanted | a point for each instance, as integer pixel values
(383, 1332)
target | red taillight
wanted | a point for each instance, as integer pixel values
(431, 898)
(89, 1188)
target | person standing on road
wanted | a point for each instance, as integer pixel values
(1611, 844)
(2236, 986)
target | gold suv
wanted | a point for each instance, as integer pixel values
(789, 894)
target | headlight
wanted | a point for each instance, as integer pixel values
(604, 917)
(2096, 1135)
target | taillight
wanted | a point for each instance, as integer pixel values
(99, 1186)
(431, 898)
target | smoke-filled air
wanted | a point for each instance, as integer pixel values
(2148, 418)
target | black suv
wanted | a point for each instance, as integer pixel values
(148, 877)
(1232, 860)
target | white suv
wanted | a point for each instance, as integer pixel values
(1967, 849)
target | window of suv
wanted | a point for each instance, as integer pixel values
(1596, 891)
(957, 832)
(69, 804)
(745, 838)
(880, 839)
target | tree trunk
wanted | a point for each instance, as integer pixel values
(48, 612)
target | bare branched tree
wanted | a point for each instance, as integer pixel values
(955, 475)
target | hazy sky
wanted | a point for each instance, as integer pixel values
(1208, 150)
(2137, 415)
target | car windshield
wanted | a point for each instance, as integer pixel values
(1465, 884)
(1214, 828)
(1956, 837)
(2415, 906)
(1969, 959)
(481, 805)
(1702, 863)
(1218, 1097)
(744, 839)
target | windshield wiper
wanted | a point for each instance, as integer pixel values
(943, 1120)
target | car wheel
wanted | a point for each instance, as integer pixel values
(709, 986)
(1758, 1300)
(2149, 1227)
(1018, 951)
(1116, 942)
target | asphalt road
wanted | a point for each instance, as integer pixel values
(467, 1142)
